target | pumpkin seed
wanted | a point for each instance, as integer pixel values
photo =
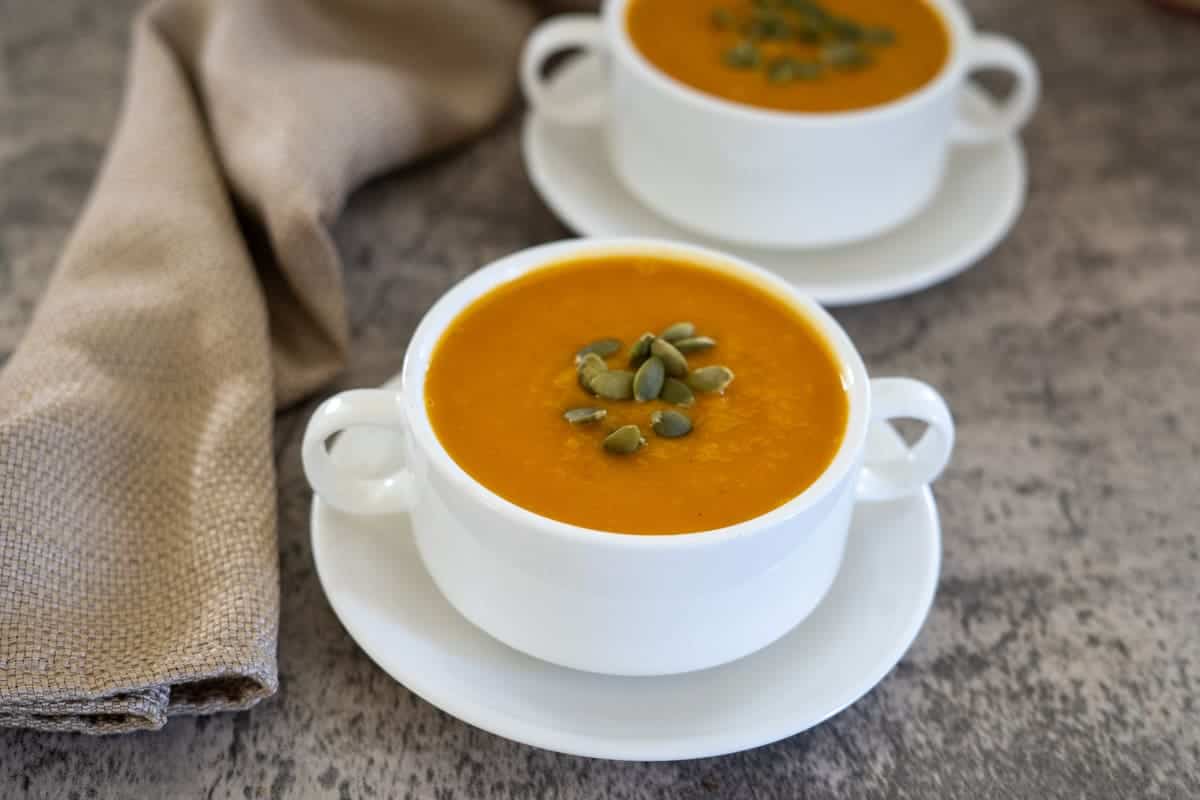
(722, 19)
(743, 55)
(590, 360)
(672, 359)
(806, 70)
(680, 330)
(613, 384)
(846, 30)
(648, 380)
(814, 13)
(783, 70)
(640, 350)
(601, 347)
(766, 25)
(670, 424)
(780, 71)
(846, 56)
(711, 379)
(589, 367)
(624, 440)
(879, 36)
(693, 344)
(582, 416)
(677, 393)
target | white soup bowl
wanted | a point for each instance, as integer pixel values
(768, 178)
(612, 602)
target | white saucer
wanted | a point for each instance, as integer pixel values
(978, 203)
(379, 590)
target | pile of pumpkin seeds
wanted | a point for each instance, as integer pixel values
(830, 41)
(657, 370)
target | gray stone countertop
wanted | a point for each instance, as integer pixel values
(1062, 656)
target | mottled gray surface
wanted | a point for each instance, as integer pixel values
(1062, 658)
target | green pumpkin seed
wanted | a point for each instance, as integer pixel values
(589, 367)
(670, 424)
(582, 416)
(846, 56)
(780, 71)
(640, 350)
(680, 330)
(783, 70)
(806, 70)
(846, 30)
(676, 392)
(601, 347)
(766, 24)
(878, 36)
(711, 379)
(743, 55)
(613, 384)
(722, 19)
(816, 15)
(672, 359)
(590, 360)
(648, 380)
(694, 344)
(624, 440)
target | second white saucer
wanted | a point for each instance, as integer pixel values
(980, 199)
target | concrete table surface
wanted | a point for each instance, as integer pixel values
(1062, 656)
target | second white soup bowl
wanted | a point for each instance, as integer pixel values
(769, 178)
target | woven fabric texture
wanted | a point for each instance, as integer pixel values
(199, 291)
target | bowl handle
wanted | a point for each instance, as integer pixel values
(891, 478)
(354, 495)
(1001, 53)
(564, 32)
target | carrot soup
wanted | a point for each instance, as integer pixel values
(637, 394)
(793, 55)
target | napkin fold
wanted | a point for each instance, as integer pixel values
(199, 291)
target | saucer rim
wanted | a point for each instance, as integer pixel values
(505, 725)
(946, 267)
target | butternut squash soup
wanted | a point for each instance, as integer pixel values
(637, 394)
(793, 55)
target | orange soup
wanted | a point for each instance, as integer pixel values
(793, 55)
(504, 372)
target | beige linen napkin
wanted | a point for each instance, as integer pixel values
(138, 565)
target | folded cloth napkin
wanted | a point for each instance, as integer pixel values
(200, 291)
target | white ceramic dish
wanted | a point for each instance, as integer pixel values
(979, 199)
(614, 602)
(761, 177)
(370, 571)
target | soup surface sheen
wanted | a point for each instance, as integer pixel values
(680, 39)
(503, 373)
